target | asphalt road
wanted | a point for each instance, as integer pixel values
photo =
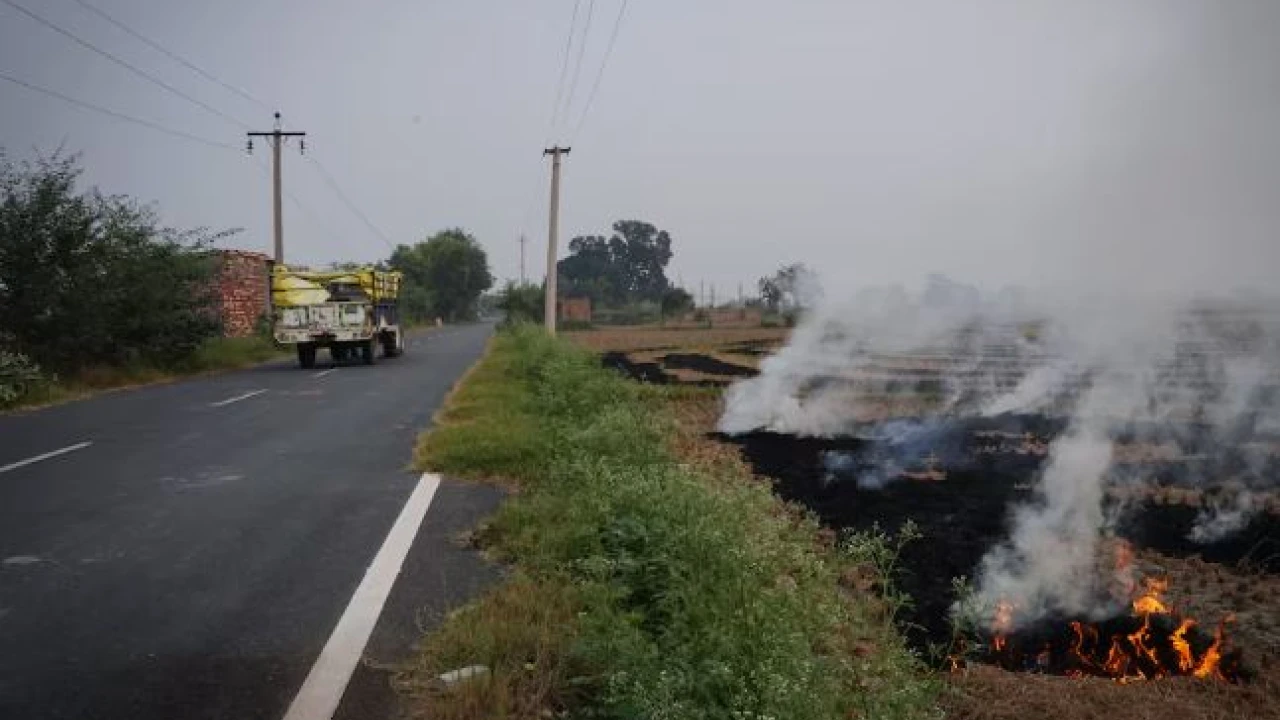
(192, 559)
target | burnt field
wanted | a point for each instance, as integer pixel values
(959, 487)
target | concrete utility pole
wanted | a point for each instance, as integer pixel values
(522, 280)
(553, 229)
(276, 138)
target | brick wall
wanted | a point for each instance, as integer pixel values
(243, 290)
(575, 309)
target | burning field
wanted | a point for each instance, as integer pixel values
(1099, 521)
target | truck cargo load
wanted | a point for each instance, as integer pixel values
(348, 312)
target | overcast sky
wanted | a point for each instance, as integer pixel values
(997, 140)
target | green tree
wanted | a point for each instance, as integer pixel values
(676, 301)
(444, 276)
(522, 303)
(628, 267)
(91, 279)
(790, 288)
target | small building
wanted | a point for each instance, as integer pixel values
(243, 290)
(574, 309)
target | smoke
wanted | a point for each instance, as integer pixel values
(1194, 377)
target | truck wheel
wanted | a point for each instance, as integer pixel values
(366, 351)
(389, 345)
(306, 355)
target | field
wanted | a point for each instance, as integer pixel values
(959, 496)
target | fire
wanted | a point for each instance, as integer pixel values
(1152, 641)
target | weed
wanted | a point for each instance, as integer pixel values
(693, 596)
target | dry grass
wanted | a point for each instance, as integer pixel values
(521, 632)
(648, 337)
(986, 693)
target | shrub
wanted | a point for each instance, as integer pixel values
(17, 376)
(88, 279)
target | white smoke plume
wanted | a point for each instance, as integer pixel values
(1199, 376)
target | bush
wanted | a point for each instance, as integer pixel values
(522, 303)
(17, 376)
(88, 279)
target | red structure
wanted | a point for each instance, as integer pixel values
(575, 309)
(244, 290)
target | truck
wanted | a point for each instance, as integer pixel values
(349, 312)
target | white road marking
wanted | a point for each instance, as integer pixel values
(323, 689)
(237, 398)
(44, 456)
(322, 373)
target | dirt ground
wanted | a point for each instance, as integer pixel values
(965, 515)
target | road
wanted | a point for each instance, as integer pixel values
(185, 550)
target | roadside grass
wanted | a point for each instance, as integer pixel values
(646, 584)
(213, 355)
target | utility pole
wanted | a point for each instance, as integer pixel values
(522, 239)
(553, 229)
(276, 138)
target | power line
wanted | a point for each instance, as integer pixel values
(172, 55)
(333, 184)
(306, 210)
(577, 65)
(617, 24)
(131, 68)
(119, 116)
(564, 71)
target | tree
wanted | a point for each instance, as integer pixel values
(522, 303)
(790, 288)
(676, 301)
(88, 279)
(444, 276)
(630, 266)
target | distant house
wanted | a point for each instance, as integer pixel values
(574, 309)
(243, 290)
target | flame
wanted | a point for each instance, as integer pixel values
(1145, 649)
(1149, 602)
(1186, 661)
(1210, 662)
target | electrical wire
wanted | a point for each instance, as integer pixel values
(306, 210)
(577, 65)
(564, 71)
(172, 55)
(131, 68)
(595, 86)
(333, 184)
(119, 116)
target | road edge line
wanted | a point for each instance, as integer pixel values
(322, 691)
(45, 456)
(238, 398)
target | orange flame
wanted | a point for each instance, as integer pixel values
(1210, 662)
(1147, 652)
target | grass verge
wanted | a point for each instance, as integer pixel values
(213, 355)
(646, 584)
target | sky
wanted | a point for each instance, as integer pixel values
(1078, 144)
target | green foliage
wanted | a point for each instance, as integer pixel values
(88, 279)
(696, 597)
(444, 276)
(627, 267)
(18, 374)
(676, 302)
(522, 303)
